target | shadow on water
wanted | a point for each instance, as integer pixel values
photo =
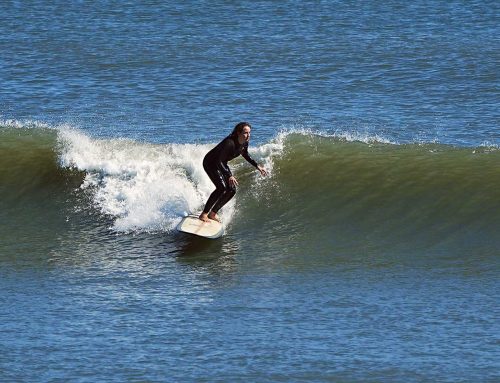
(219, 255)
(192, 246)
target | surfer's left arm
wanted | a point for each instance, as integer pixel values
(250, 160)
(263, 172)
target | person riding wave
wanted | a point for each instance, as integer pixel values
(215, 165)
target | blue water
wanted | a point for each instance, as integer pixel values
(163, 71)
(370, 254)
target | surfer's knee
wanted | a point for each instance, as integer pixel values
(221, 189)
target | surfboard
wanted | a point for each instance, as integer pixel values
(193, 225)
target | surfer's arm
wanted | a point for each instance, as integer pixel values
(250, 160)
(247, 157)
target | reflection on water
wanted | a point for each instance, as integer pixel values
(217, 257)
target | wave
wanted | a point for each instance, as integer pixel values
(334, 191)
(29, 160)
(321, 187)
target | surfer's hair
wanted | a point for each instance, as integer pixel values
(239, 128)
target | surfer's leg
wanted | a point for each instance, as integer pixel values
(220, 188)
(225, 198)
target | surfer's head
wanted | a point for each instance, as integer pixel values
(242, 132)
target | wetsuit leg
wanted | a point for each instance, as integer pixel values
(225, 198)
(221, 186)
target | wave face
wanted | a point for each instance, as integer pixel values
(376, 196)
(29, 165)
(323, 192)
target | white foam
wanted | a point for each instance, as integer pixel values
(26, 124)
(489, 145)
(363, 137)
(344, 135)
(145, 187)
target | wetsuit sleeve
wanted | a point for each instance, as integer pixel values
(247, 157)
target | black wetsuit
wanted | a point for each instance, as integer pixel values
(215, 164)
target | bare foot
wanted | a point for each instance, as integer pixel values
(214, 216)
(204, 217)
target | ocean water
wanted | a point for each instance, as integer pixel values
(371, 252)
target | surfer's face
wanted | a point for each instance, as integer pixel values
(244, 136)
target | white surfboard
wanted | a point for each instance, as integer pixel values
(193, 225)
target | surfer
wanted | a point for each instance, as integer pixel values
(215, 164)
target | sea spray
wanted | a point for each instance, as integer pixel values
(143, 186)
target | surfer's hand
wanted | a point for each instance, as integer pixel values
(262, 171)
(232, 181)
